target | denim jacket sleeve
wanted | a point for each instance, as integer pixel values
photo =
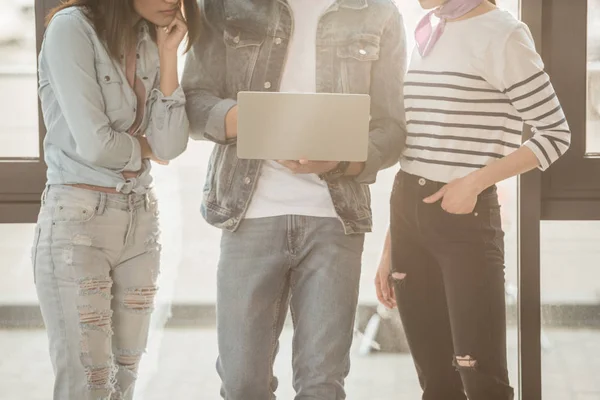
(388, 121)
(204, 80)
(168, 129)
(70, 61)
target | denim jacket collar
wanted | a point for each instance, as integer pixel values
(257, 12)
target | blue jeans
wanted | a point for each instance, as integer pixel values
(308, 264)
(96, 261)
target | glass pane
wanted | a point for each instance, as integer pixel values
(19, 135)
(570, 310)
(593, 66)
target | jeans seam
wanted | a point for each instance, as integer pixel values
(293, 314)
(274, 333)
(56, 293)
(34, 252)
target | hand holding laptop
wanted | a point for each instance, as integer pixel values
(231, 123)
(309, 167)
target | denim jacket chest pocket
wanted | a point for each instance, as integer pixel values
(355, 58)
(111, 86)
(242, 51)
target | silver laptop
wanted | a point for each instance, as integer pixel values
(303, 126)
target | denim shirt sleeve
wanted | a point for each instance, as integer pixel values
(69, 58)
(388, 122)
(203, 82)
(168, 130)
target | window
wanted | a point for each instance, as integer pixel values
(593, 85)
(571, 188)
(21, 170)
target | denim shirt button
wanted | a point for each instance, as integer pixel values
(278, 41)
(267, 85)
(363, 52)
(247, 180)
(107, 78)
(236, 39)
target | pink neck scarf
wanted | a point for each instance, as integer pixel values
(425, 35)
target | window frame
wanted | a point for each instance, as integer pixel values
(571, 188)
(23, 179)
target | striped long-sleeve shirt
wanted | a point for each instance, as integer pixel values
(467, 101)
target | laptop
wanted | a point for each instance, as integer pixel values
(303, 126)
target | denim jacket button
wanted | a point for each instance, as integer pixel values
(267, 85)
(363, 52)
(236, 39)
(278, 41)
(247, 180)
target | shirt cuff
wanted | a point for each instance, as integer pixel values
(373, 164)
(215, 126)
(543, 162)
(135, 161)
(175, 99)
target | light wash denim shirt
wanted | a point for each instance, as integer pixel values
(88, 108)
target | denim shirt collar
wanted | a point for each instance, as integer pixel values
(352, 4)
(144, 31)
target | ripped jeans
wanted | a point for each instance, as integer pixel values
(451, 299)
(96, 262)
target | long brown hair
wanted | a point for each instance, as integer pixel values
(113, 21)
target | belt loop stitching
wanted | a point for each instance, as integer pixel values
(45, 195)
(101, 207)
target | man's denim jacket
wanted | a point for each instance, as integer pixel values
(360, 49)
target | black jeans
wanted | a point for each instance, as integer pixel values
(451, 300)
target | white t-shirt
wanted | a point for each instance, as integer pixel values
(278, 191)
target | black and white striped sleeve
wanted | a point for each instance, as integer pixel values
(531, 93)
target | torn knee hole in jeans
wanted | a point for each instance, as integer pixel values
(129, 360)
(398, 276)
(465, 362)
(140, 299)
(95, 320)
(95, 285)
(101, 377)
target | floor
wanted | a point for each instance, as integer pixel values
(180, 365)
